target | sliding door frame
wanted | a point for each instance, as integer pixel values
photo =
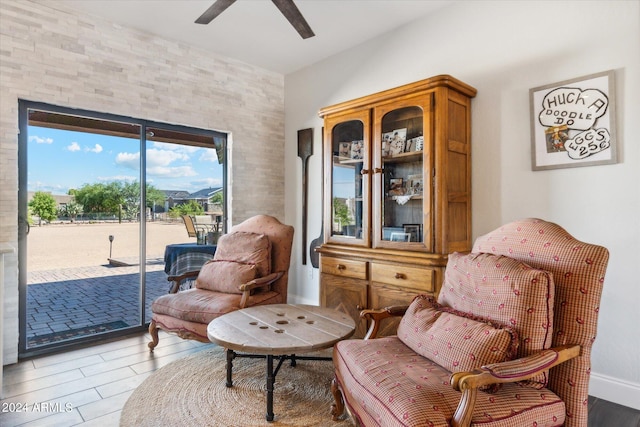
(218, 140)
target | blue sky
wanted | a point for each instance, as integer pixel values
(59, 160)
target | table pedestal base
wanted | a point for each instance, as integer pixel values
(271, 372)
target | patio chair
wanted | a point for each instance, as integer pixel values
(188, 223)
(250, 267)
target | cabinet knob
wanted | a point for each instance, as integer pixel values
(377, 170)
(364, 172)
(341, 267)
(400, 276)
(359, 307)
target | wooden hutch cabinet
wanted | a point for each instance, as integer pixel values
(397, 194)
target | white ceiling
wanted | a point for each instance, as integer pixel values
(254, 31)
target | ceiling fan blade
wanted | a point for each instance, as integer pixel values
(216, 9)
(293, 15)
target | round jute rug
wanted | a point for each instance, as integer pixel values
(192, 392)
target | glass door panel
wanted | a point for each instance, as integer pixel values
(349, 180)
(402, 182)
(185, 176)
(347, 169)
(81, 269)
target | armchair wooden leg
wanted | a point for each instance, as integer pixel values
(153, 331)
(464, 412)
(337, 409)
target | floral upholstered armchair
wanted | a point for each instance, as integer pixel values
(507, 343)
(250, 267)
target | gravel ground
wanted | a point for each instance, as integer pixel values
(58, 246)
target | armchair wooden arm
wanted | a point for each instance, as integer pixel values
(378, 315)
(178, 279)
(505, 372)
(260, 282)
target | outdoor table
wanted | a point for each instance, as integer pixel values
(181, 258)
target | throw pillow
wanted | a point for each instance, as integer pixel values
(453, 340)
(245, 247)
(225, 276)
(505, 291)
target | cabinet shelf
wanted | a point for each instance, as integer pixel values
(344, 161)
(413, 197)
(412, 156)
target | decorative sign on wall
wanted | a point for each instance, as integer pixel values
(573, 123)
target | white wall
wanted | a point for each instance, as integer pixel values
(503, 49)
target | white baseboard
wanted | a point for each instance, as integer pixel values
(615, 390)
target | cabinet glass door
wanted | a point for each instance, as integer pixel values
(403, 190)
(349, 183)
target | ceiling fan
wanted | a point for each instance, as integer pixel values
(287, 7)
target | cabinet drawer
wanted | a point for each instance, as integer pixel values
(343, 267)
(400, 275)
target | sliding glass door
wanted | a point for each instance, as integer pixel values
(91, 237)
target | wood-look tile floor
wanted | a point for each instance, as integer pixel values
(85, 387)
(89, 386)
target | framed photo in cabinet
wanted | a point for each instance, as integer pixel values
(357, 149)
(573, 123)
(415, 144)
(415, 184)
(400, 237)
(344, 150)
(414, 232)
(396, 140)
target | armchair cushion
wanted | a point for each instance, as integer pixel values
(225, 276)
(505, 291)
(247, 248)
(453, 340)
(202, 306)
(388, 384)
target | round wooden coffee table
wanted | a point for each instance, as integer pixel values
(281, 330)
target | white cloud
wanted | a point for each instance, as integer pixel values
(156, 159)
(40, 140)
(74, 146)
(209, 156)
(164, 157)
(171, 172)
(129, 160)
(188, 149)
(96, 149)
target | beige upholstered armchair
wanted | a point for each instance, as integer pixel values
(250, 267)
(507, 343)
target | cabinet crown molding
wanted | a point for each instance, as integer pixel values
(443, 80)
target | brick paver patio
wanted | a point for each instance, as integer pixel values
(65, 303)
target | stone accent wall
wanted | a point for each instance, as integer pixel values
(53, 55)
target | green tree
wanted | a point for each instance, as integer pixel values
(130, 193)
(44, 205)
(71, 210)
(341, 212)
(190, 208)
(217, 199)
(155, 197)
(130, 199)
(99, 197)
(116, 198)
